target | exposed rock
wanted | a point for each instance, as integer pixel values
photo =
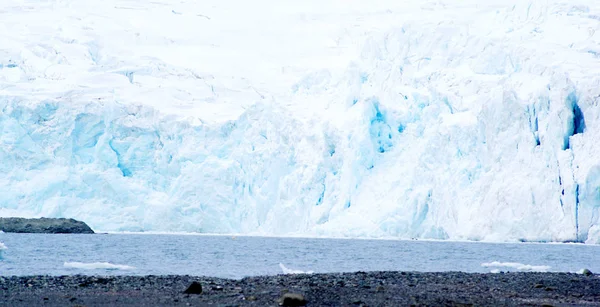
(292, 299)
(194, 288)
(43, 225)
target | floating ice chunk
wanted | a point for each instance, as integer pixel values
(292, 271)
(2, 248)
(517, 266)
(97, 265)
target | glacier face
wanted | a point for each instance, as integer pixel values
(436, 119)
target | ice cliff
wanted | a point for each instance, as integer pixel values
(436, 119)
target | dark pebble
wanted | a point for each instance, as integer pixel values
(292, 300)
(194, 288)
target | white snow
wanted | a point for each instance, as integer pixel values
(452, 119)
(97, 265)
(516, 266)
(292, 271)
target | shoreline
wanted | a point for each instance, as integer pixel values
(386, 288)
(253, 235)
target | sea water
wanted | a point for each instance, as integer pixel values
(237, 257)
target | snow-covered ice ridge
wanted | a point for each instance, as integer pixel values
(455, 119)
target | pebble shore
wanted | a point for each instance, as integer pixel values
(340, 289)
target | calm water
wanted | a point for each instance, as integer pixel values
(224, 256)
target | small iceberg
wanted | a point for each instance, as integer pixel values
(97, 265)
(292, 271)
(516, 266)
(2, 248)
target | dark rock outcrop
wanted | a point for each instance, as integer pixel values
(43, 225)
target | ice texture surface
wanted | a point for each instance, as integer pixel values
(413, 119)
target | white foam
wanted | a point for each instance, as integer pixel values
(292, 271)
(97, 266)
(516, 266)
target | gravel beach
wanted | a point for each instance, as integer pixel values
(343, 289)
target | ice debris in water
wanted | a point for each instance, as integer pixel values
(2, 249)
(97, 265)
(292, 271)
(516, 266)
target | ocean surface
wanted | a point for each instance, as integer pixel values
(236, 257)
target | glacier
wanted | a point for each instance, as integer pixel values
(460, 120)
